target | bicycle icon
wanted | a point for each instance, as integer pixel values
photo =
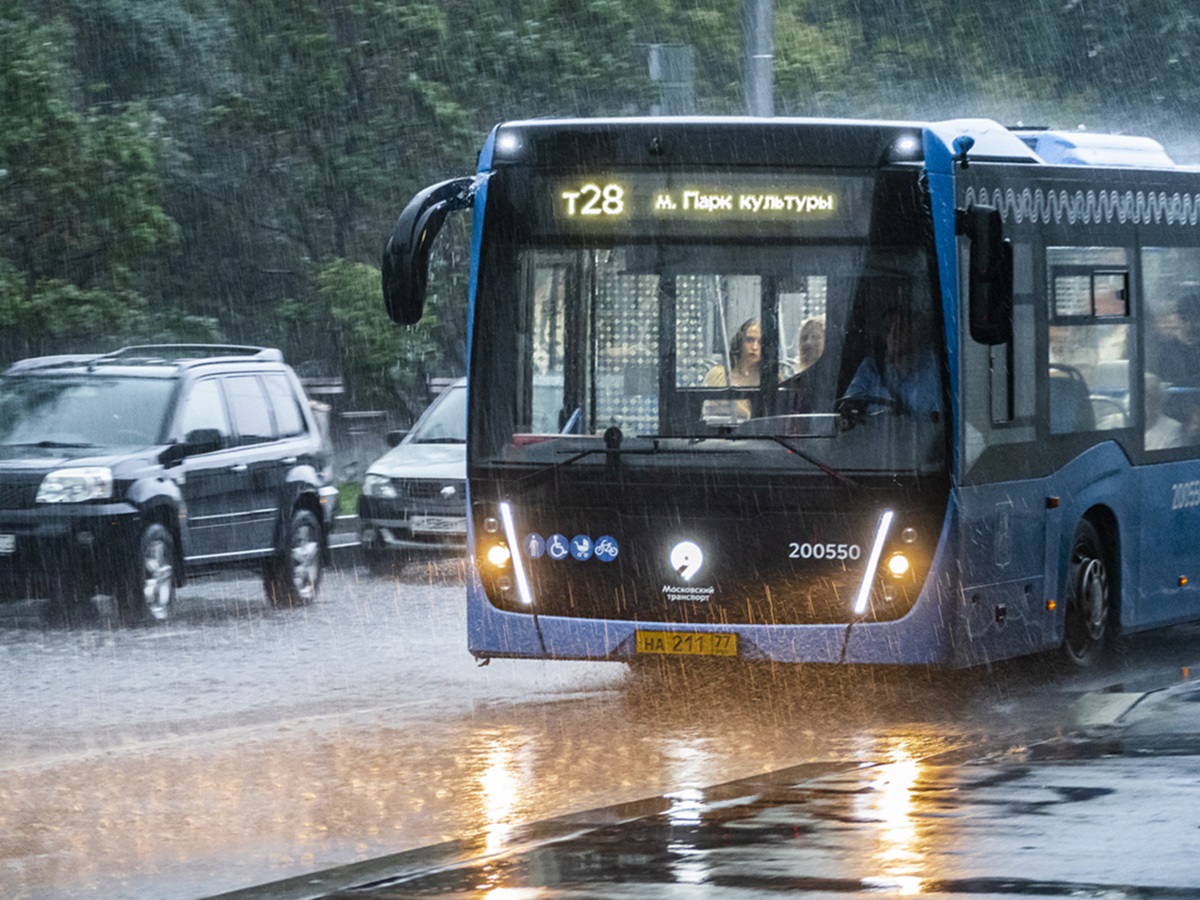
(606, 549)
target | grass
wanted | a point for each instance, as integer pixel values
(348, 498)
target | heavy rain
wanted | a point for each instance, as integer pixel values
(825, 512)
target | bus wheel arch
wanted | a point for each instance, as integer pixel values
(1092, 588)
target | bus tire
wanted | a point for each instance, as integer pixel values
(1086, 631)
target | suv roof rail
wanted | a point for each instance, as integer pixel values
(172, 352)
(47, 362)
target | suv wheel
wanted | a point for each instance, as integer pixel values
(148, 594)
(292, 578)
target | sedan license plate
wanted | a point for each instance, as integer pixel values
(8, 543)
(687, 643)
(438, 524)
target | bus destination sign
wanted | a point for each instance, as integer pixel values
(640, 200)
(614, 199)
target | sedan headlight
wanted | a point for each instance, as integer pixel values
(76, 485)
(379, 486)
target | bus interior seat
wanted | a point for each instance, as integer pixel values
(1109, 412)
(1112, 377)
(1181, 402)
(1070, 401)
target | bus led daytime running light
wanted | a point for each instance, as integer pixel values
(510, 532)
(864, 592)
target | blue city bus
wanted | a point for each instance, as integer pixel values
(823, 391)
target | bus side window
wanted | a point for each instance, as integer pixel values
(1171, 276)
(1088, 339)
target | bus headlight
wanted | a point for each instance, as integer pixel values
(499, 556)
(898, 565)
(76, 485)
(501, 560)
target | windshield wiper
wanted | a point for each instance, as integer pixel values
(733, 436)
(53, 445)
(613, 450)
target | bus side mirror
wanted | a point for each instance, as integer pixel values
(406, 256)
(990, 275)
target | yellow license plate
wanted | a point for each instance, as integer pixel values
(687, 643)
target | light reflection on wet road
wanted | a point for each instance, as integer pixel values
(242, 745)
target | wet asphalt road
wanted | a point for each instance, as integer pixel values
(241, 746)
(1086, 817)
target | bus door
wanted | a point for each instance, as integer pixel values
(1002, 515)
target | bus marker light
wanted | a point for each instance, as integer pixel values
(498, 555)
(864, 592)
(1052, 503)
(508, 144)
(490, 525)
(1051, 605)
(1183, 581)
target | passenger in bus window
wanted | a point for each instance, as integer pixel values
(801, 393)
(745, 370)
(1162, 432)
(905, 379)
(811, 343)
(1174, 356)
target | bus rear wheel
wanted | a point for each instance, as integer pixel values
(1089, 598)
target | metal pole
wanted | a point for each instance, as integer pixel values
(759, 56)
(673, 67)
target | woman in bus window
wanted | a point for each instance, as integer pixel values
(745, 370)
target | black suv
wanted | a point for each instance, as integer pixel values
(120, 472)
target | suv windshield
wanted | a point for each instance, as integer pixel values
(81, 411)
(446, 421)
(737, 349)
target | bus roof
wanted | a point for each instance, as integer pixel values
(751, 141)
(1082, 148)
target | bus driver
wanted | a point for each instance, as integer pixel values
(905, 380)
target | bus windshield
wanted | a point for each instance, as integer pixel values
(763, 356)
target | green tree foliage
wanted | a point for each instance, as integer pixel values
(284, 136)
(379, 362)
(79, 191)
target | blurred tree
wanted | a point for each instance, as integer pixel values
(80, 216)
(285, 135)
(378, 362)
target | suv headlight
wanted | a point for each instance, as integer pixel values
(76, 485)
(379, 486)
